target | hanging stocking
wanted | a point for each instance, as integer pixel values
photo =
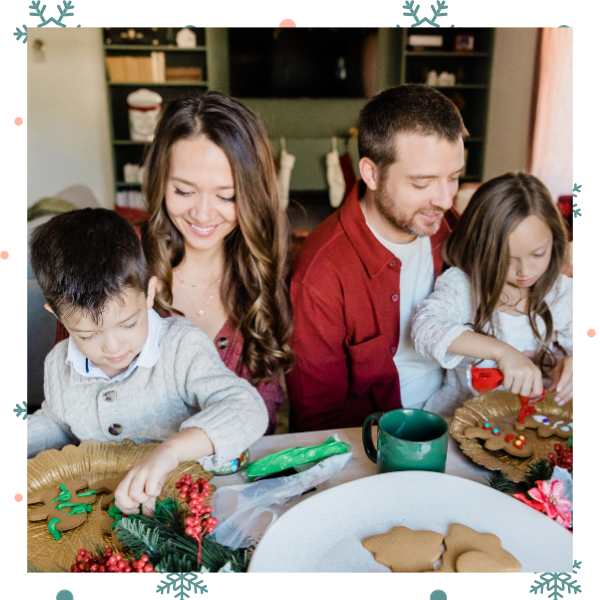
(335, 176)
(286, 164)
(348, 171)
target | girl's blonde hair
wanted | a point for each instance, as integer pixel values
(479, 245)
(253, 289)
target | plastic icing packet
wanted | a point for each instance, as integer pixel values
(245, 511)
(292, 457)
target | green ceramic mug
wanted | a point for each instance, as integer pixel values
(407, 440)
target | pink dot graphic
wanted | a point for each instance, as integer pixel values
(18, 497)
(4, 255)
(591, 332)
(18, 121)
(287, 23)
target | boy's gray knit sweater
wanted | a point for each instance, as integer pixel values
(189, 386)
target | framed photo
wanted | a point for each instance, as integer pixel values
(464, 43)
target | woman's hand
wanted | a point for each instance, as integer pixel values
(562, 381)
(521, 376)
(144, 482)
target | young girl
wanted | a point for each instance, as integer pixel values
(503, 303)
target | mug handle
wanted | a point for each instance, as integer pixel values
(367, 436)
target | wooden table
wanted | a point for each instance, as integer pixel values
(358, 466)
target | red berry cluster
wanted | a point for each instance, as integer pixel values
(109, 563)
(563, 457)
(199, 522)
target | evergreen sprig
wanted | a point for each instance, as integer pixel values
(538, 470)
(501, 481)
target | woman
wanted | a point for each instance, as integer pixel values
(217, 238)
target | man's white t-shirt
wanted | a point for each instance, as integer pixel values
(419, 377)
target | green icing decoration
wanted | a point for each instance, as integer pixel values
(116, 514)
(88, 493)
(80, 508)
(84, 507)
(64, 494)
(52, 528)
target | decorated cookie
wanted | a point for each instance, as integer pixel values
(108, 486)
(109, 519)
(64, 507)
(468, 551)
(547, 426)
(404, 550)
(495, 439)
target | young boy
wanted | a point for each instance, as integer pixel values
(125, 373)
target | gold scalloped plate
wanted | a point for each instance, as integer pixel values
(91, 460)
(502, 408)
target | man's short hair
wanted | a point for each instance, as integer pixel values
(409, 108)
(85, 258)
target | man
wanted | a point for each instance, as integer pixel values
(362, 273)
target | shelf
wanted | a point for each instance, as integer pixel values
(146, 48)
(445, 53)
(127, 184)
(162, 83)
(129, 143)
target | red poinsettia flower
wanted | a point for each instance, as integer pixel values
(547, 498)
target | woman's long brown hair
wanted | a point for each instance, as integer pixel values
(253, 289)
(479, 245)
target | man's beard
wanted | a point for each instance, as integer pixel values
(399, 220)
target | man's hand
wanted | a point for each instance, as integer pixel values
(144, 482)
(562, 381)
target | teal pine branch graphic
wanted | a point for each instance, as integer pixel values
(64, 12)
(21, 34)
(413, 12)
(576, 211)
(21, 410)
(181, 584)
(555, 583)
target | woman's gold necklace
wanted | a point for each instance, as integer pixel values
(199, 311)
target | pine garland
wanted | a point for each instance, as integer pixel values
(538, 470)
(501, 481)
(162, 537)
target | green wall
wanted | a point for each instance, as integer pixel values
(307, 124)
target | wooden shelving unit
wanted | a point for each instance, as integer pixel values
(125, 150)
(471, 93)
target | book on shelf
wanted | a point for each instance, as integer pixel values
(136, 69)
(131, 199)
(184, 73)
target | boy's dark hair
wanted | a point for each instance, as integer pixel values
(85, 258)
(409, 108)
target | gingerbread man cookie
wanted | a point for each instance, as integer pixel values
(468, 551)
(108, 486)
(495, 439)
(109, 519)
(547, 426)
(406, 551)
(65, 507)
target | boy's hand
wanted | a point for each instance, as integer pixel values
(562, 381)
(143, 483)
(521, 376)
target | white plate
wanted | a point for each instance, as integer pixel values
(323, 534)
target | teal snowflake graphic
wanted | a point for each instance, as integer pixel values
(64, 11)
(408, 6)
(555, 583)
(181, 584)
(576, 211)
(20, 410)
(21, 34)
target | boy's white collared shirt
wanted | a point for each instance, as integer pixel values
(146, 358)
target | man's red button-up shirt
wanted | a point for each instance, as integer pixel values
(345, 297)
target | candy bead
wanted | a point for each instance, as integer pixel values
(495, 431)
(486, 425)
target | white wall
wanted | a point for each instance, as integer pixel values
(68, 139)
(510, 101)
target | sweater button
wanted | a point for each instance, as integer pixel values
(115, 429)
(392, 263)
(222, 343)
(393, 350)
(110, 396)
(395, 298)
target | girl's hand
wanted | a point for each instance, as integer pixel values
(143, 483)
(562, 381)
(521, 376)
